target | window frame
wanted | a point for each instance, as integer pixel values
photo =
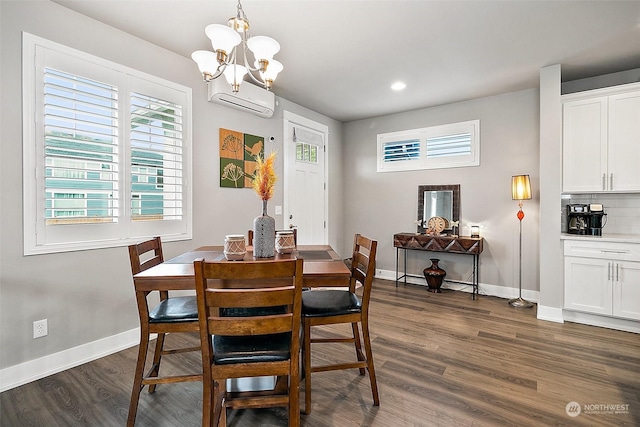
(422, 135)
(42, 238)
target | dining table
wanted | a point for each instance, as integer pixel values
(322, 267)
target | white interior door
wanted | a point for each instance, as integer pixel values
(305, 201)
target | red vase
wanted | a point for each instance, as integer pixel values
(434, 276)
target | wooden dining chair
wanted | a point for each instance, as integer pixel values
(295, 236)
(334, 306)
(175, 314)
(249, 316)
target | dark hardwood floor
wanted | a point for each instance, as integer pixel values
(441, 360)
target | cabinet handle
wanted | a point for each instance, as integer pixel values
(608, 271)
(617, 272)
(604, 181)
(611, 182)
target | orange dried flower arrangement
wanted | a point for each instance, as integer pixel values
(265, 178)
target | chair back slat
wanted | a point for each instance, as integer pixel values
(145, 255)
(230, 298)
(249, 270)
(249, 326)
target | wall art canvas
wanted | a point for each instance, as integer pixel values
(238, 153)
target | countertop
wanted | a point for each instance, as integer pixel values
(606, 237)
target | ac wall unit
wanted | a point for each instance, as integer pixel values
(250, 98)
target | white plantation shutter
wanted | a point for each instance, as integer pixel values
(401, 150)
(449, 145)
(156, 159)
(81, 149)
(106, 152)
(444, 146)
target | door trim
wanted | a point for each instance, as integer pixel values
(290, 119)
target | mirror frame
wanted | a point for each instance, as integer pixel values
(456, 201)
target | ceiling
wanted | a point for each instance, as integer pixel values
(340, 56)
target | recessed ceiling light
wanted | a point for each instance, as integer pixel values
(398, 86)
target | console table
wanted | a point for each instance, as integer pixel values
(423, 242)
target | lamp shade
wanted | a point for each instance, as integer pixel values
(234, 74)
(263, 47)
(222, 37)
(272, 70)
(520, 187)
(206, 60)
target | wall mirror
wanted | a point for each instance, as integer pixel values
(438, 200)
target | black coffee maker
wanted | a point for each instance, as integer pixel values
(586, 219)
(597, 219)
(578, 220)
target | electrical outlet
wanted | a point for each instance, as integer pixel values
(40, 328)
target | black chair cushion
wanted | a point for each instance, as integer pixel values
(257, 348)
(176, 309)
(330, 302)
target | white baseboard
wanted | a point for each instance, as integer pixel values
(602, 321)
(483, 288)
(36, 369)
(551, 314)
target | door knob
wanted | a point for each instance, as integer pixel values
(293, 226)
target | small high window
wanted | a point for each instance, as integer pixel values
(446, 146)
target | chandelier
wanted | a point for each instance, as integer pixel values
(230, 57)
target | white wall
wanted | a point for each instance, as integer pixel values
(88, 296)
(551, 276)
(382, 204)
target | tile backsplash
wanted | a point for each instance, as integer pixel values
(623, 211)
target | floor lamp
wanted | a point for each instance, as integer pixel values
(520, 190)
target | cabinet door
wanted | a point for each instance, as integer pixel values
(624, 142)
(584, 145)
(587, 285)
(626, 290)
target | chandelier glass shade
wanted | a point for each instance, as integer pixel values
(231, 45)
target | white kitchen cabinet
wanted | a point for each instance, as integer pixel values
(584, 149)
(624, 142)
(602, 278)
(610, 288)
(626, 290)
(587, 285)
(601, 140)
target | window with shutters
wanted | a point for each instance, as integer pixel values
(106, 152)
(445, 146)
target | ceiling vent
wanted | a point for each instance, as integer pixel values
(249, 98)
